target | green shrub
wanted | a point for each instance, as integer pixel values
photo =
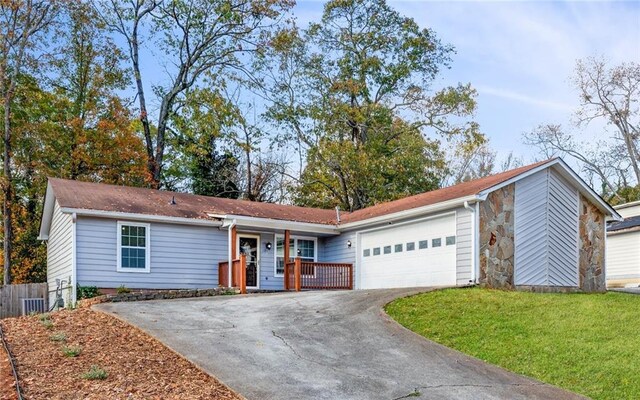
(43, 317)
(58, 337)
(122, 289)
(95, 372)
(71, 351)
(87, 292)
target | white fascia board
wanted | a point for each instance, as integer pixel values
(277, 224)
(626, 205)
(140, 217)
(414, 212)
(47, 213)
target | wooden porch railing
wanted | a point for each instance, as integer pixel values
(238, 273)
(300, 275)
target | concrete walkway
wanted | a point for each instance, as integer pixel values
(320, 345)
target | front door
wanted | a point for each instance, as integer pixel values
(250, 245)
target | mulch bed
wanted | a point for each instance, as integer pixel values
(7, 384)
(138, 366)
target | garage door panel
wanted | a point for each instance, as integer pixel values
(430, 266)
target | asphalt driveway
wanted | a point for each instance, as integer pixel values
(320, 345)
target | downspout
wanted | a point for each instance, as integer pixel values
(474, 236)
(230, 230)
(74, 260)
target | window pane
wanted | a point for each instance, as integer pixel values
(376, 251)
(279, 265)
(436, 242)
(306, 248)
(387, 249)
(366, 252)
(398, 248)
(133, 246)
(280, 247)
(451, 240)
(423, 244)
(411, 246)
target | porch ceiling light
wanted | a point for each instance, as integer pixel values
(349, 244)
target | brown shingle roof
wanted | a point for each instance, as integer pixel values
(102, 197)
(464, 189)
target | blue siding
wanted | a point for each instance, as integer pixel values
(60, 255)
(546, 230)
(267, 264)
(334, 248)
(182, 256)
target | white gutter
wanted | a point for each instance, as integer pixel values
(278, 224)
(230, 246)
(445, 205)
(140, 217)
(472, 210)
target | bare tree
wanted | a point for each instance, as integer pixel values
(610, 95)
(197, 37)
(22, 24)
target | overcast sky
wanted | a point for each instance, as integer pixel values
(520, 55)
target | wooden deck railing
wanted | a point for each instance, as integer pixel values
(238, 273)
(300, 275)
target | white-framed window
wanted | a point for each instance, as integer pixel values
(304, 247)
(134, 247)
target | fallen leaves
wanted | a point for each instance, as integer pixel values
(138, 366)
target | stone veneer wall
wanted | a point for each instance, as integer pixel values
(497, 235)
(592, 248)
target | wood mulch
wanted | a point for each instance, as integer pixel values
(138, 366)
(7, 383)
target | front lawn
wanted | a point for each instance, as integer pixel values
(586, 343)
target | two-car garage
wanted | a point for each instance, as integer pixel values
(420, 253)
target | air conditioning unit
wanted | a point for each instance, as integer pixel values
(36, 305)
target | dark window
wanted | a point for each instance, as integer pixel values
(133, 247)
(366, 252)
(387, 249)
(423, 244)
(411, 246)
(436, 242)
(376, 251)
(451, 240)
(398, 248)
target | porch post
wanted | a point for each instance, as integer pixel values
(242, 279)
(298, 273)
(234, 240)
(287, 237)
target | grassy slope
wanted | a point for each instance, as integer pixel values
(587, 343)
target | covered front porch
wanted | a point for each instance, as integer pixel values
(317, 258)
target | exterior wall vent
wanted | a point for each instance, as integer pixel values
(37, 305)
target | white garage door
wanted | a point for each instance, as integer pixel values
(417, 254)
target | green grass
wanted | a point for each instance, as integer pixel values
(586, 343)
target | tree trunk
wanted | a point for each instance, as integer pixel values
(7, 189)
(144, 117)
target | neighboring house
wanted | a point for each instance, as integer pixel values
(623, 247)
(537, 227)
